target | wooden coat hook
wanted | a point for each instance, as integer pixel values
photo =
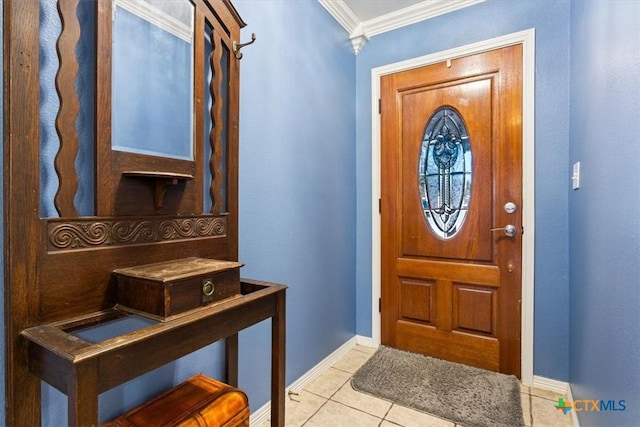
(237, 46)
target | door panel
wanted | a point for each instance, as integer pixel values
(417, 300)
(452, 289)
(474, 309)
(473, 101)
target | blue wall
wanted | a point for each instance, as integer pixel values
(297, 178)
(605, 211)
(480, 22)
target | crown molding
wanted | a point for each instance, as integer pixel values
(358, 42)
(358, 39)
(361, 32)
(412, 14)
(343, 14)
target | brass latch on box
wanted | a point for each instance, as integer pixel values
(207, 290)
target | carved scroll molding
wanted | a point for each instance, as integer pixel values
(95, 233)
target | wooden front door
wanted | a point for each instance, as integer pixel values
(451, 182)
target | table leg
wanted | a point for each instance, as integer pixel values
(278, 332)
(82, 395)
(231, 360)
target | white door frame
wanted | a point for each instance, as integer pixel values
(527, 39)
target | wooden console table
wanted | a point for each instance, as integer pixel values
(83, 370)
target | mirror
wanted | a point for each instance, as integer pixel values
(153, 116)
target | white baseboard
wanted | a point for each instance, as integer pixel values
(551, 385)
(558, 387)
(261, 415)
(366, 341)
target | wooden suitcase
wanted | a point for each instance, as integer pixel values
(199, 401)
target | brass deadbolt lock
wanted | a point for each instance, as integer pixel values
(208, 287)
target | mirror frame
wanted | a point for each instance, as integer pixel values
(115, 190)
(138, 184)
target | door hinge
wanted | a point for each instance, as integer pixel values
(379, 305)
(380, 206)
(379, 106)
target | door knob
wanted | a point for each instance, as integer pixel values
(509, 230)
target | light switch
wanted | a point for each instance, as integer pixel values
(575, 178)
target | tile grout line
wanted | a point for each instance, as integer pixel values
(314, 414)
(383, 418)
(388, 410)
(327, 399)
(347, 405)
(530, 409)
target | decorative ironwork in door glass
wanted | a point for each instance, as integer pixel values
(445, 172)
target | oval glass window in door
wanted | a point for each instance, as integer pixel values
(445, 172)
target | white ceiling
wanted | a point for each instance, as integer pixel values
(369, 9)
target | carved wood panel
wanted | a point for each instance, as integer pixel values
(92, 233)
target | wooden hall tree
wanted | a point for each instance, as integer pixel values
(59, 270)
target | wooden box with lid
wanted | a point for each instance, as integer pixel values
(168, 289)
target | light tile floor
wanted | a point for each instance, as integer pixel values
(330, 401)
